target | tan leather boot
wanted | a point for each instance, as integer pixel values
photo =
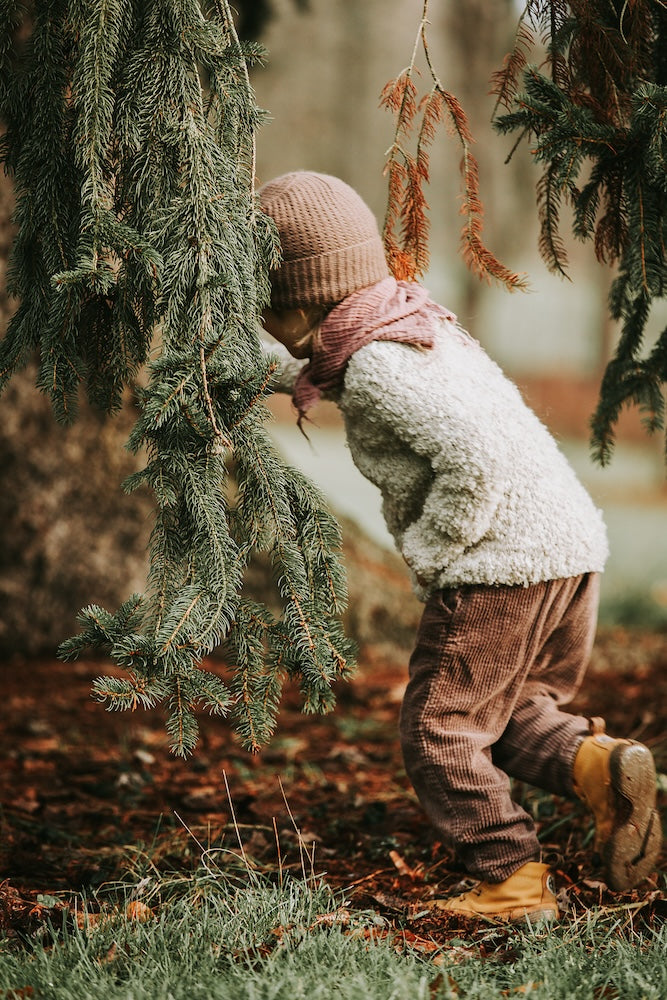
(616, 779)
(528, 894)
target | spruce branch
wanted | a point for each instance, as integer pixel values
(602, 111)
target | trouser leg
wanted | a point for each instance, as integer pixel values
(541, 741)
(475, 649)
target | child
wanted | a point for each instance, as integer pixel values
(504, 545)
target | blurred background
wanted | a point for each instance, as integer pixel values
(69, 536)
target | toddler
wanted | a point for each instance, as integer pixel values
(504, 546)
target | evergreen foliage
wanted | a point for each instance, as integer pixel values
(598, 125)
(130, 137)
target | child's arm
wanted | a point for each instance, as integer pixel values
(461, 441)
(459, 507)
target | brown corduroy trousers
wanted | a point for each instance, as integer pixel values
(490, 670)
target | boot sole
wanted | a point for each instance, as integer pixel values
(633, 847)
(515, 915)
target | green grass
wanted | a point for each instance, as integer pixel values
(237, 936)
(219, 939)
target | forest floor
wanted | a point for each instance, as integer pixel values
(90, 798)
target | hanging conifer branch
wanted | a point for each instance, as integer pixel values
(505, 81)
(131, 137)
(406, 224)
(602, 111)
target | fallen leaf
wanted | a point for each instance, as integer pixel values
(28, 802)
(86, 920)
(436, 985)
(341, 916)
(459, 953)
(402, 867)
(138, 911)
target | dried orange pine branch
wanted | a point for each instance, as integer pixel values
(406, 224)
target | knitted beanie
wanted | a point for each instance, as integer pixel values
(329, 238)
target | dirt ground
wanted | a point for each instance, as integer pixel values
(90, 797)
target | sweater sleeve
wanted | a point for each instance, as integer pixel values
(469, 474)
(459, 508)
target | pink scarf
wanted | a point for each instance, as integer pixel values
(388, 310)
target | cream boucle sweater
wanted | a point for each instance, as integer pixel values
(474, 487)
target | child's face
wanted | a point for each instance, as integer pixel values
(292, 327)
